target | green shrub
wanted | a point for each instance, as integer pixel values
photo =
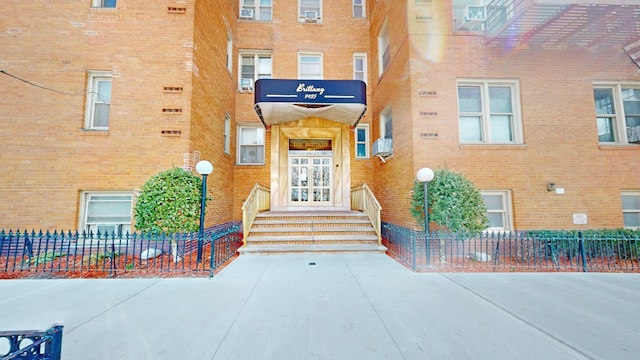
(454, 203)
(169, 202)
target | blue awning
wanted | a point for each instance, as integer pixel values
(280, 101)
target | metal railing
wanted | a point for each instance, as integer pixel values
(599, 251)
(74, 254)
(33, 344)
(259, 200)
(362, 199)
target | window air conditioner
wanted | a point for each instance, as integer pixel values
(473, 17)
(633, 134)
(311, 16)
(475, 13)
(382, 147)
(246, 14)
(246, 84)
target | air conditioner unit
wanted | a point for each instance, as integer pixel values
(246, 84)
(382, 147)
(475, 13)
(473, 17)
(246, 14)
(633, 134)
(311, 16)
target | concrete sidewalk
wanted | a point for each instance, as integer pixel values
(353, 306)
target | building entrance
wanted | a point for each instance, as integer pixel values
(310, 173)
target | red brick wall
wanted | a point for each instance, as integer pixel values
(558, 119)
(47, 157)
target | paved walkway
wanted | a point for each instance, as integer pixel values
(356, 306)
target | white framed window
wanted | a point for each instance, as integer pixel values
(229, 52)
(250, 145)
(310, 66)
(631, 209)
(617, 113)
(310, 10)
(227, 133)
(359, 10)
(488, 112)
(498, 204)
(362, 141)
(103, 3)
(384, 54)
(106, 212)
(360, 66)
(254, 66)
(256, 10)
(386, 123)
(98, 105)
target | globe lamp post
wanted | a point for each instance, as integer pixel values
(203, 168)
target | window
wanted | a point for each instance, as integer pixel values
(254, 67)
(384, 55)
(310, 10)
(498, 205)
(227, 133)
(229, 52)
(103, 3)
(98, 100)
(251, 145)
(358, 9)
(386, 123)
(631, 209)
(309, 66)
(360, 67)
(255, 10)
(617, 114)
(107, 212)
(362, 141)
(487, 112)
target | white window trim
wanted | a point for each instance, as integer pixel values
(85, 206)
(100, 4)
(630, 193)
(227, 134)
(92, 93)
(302, 17)
(485, 128)
(229, 53)
(256, 75)
(320, 55)
(620, 122)
(367, 141)
(362, 56)
(507, 213)
(384, 43)
(239, 144)
(257, 7)
(364, 9)
(385, 114)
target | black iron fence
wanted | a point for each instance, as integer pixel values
(74, 254)
(32, 344)
(588, 250)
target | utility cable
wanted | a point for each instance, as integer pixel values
(36, 85)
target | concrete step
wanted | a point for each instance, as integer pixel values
(323, 248)
(312, 231)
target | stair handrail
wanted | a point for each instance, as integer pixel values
(259, 200)
(362, 199)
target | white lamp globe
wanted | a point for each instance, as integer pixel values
(425, 174)
(204, 167)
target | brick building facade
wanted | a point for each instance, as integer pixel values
(99, 95)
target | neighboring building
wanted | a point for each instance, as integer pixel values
(537, 102)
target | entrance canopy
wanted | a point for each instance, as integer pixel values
(280, 101)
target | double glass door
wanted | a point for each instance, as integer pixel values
(310, 179)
